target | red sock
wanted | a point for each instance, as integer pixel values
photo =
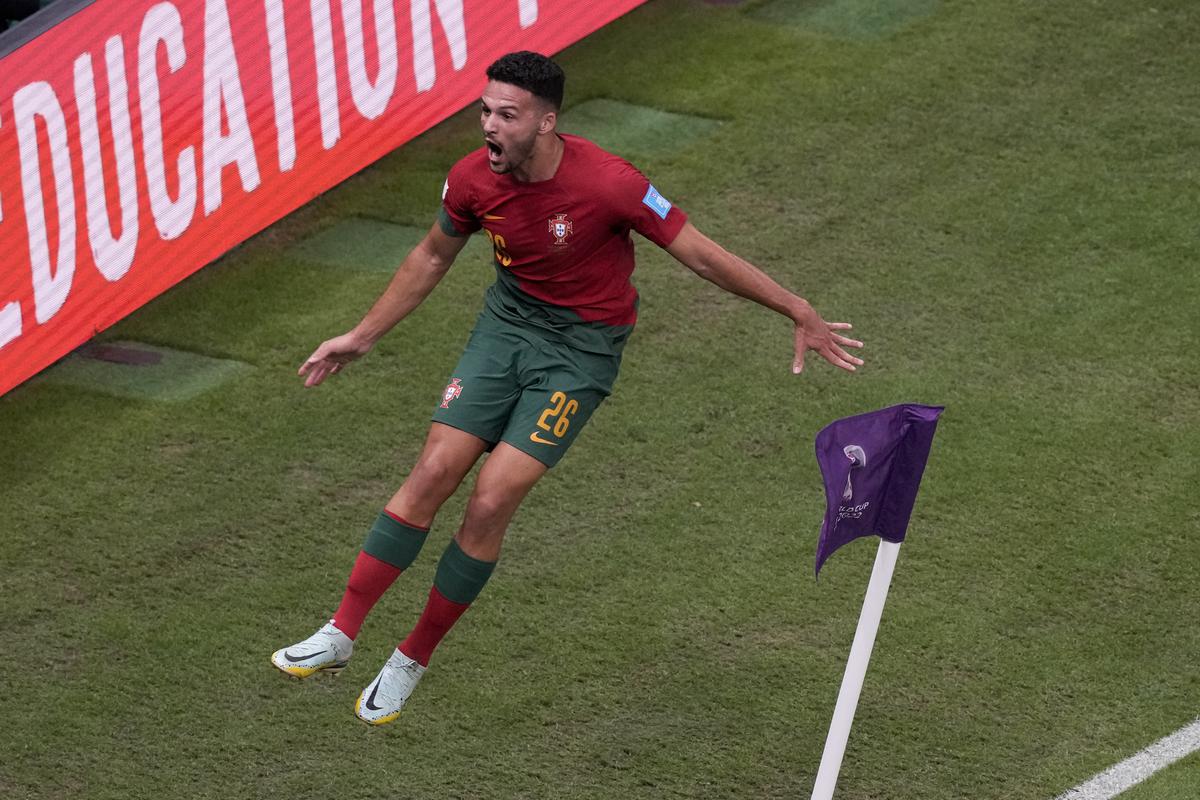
(436, 620)
(369, 579)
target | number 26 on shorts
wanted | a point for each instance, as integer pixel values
(555, 418)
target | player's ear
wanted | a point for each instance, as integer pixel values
(549, 120)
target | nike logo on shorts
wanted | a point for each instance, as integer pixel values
(533, 437)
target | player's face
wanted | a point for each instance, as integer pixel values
(511, 118)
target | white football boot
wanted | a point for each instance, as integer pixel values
(384, 698)
(327, 650)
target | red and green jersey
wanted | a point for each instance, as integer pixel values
(562, 248)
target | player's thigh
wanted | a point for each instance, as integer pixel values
(483, 388)
(550, 414)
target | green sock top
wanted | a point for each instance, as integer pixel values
(393, 541)
(460, 578)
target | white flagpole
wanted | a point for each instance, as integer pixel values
(856, 670)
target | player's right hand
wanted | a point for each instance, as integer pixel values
(331, 356)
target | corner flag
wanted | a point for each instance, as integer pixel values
(872, 465)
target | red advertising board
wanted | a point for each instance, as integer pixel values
(141, 140)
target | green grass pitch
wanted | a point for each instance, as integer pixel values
(163, 374)
(1000, 194)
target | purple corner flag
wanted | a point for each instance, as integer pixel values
(872, 465)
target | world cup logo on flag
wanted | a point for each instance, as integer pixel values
(858, 460)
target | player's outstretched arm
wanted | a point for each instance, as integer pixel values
(736, 275)
(414, 280)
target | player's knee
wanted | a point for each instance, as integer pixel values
(488, 509)
(433, 475)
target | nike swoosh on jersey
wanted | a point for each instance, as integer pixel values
(533, 437)
(491, 217)
(294, 659)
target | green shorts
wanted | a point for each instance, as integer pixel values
(514, 386)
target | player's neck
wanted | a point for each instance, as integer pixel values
(544, 163)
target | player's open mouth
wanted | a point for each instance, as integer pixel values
(494, 150)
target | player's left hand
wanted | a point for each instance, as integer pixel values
(814, 333)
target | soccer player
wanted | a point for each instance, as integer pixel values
(544, 353)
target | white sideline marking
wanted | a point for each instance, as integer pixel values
(1139, 766)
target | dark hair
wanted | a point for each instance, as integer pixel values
(532, 72)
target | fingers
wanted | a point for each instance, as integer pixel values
(842, 363)
(842, 326)
(840, 358)
(317, 374)
(321, 364)
(798, 362)
(319, 370)
(833, 352)
(317, 357)
(842, 354)
(829, 346)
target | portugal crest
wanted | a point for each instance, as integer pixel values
(453, 390)
(561, 227)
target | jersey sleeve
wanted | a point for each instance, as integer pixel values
(456, 202)
(643, 207)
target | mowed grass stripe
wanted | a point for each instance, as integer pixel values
(637, 131)
(852, 19)
(359, 243)
(365, 244)
(142, 371)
